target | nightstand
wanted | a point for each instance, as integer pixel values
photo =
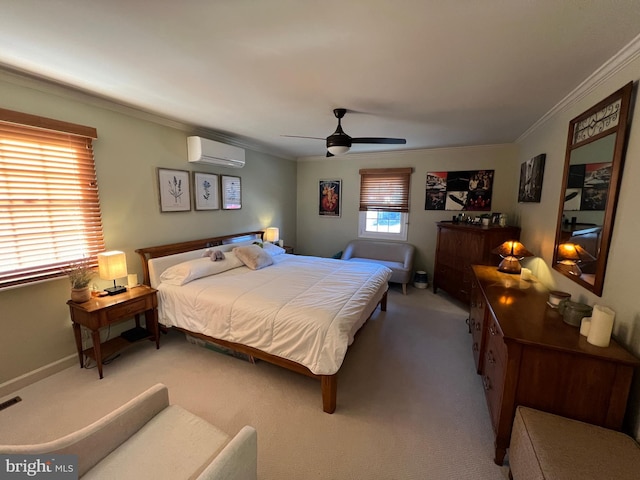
(101, 312)
(288, 249)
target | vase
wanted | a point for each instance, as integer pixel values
(80, 295)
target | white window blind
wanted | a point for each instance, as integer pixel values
(49, 205)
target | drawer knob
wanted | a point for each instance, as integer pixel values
(490, 358)
(486, 383)
(475, 347)
(493, 330)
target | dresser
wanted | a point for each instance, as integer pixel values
(526, 355)
(461, 245)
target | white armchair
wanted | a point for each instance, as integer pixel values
(147, 438)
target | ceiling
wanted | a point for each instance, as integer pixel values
(438, 73)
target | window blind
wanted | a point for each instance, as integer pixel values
(49, 204)
(385, 189)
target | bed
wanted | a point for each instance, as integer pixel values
(298, 312)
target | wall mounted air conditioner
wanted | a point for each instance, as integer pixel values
(203, 150)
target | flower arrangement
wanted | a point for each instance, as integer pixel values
(80, 273)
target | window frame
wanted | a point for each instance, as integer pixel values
(385, 190)
(364, 233)
(49, 198)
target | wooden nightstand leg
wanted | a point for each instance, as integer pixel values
(95, 336)
(78, 334)
(154, 326)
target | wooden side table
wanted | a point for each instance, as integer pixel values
(288, 249)
(100, 312)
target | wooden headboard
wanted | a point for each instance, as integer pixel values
(172, 248)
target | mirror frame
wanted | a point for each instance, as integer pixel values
(617, 162)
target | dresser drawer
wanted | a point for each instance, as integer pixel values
(494, 370)
(126, 310)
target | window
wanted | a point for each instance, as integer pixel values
(384, 203)
(49, 206)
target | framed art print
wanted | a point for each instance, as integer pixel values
(206, 191)
(231, 189)
(329, 198)
(531, 173)
(174, 191)
(463, 190)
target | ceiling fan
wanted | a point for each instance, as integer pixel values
(339, 143)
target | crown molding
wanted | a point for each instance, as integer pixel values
(46, 85)
(611, 67)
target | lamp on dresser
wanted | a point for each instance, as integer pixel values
(511, 252)
(111, 266)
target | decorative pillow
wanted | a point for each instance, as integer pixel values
(253, 256)
(272, 249)
(185, 272)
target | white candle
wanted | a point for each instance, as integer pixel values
(525, 274)
(601, 326)
(132, 280)
(585, 326)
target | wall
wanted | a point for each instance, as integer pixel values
(539, 220)
(35, 329)
(324, 236)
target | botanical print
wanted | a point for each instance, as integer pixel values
(329, 198)
(206, 191)
(174, 190)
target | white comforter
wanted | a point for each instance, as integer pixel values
(305, 309)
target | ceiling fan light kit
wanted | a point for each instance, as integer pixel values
(339, 143)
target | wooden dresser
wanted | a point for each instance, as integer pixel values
(528, 356)
(462, 245)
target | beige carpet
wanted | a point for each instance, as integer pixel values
(410, 405)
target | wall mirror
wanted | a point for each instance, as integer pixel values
(592, 174)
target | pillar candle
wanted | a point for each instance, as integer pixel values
(601, 326)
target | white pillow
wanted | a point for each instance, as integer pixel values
(272, 249)
(253, 256)
(185, 272)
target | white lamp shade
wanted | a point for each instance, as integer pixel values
(272, 234)
(338, 149)
(112, 265)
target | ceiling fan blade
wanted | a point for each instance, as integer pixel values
(300, 136)
(388, 141)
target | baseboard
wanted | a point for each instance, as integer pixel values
(27, 379)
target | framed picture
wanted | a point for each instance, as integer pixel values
(206, 191)
(231, 189)
(329, 198)
(464, 190)
(531, 173)
(174, 191)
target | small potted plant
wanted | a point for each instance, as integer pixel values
(80, 274)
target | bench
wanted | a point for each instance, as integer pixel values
(149, 438)
(549, 447)
(398, 256)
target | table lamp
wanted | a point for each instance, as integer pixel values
(570, 254)
(272, 235)
(111, 266)
(511, 252)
